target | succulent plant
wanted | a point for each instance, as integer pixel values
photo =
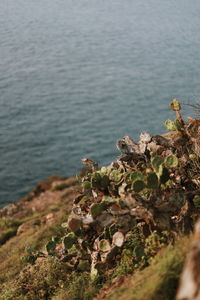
(193, 156)
(115, 175)
(175, 105)
(170, 125)
(104, 245)
(56, 239)
(171, 161)
(104, 171)
(152, 181)
(96, 180)
(132, 176)
(105, 181)
(69, 240)
(138, 252)
(156, 162)
(87, 185)
(50, 247)
(164, 176)
(96, 209)
(138, 186)
(120, 204)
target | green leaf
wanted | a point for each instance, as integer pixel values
(165, 176)
(138, 186)
(56, 239)
(138, 252)
(96, 209)
(50, 247)
(115, 175)
(104, 171)
(69, 240)
(104, 245)
(170, 125)
(156, 162)
(86, 185)
(105, 181)
(152, 180)
(96, 180)
(171, 161)
(133, 176)
(193, 156)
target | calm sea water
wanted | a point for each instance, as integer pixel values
(77, 75)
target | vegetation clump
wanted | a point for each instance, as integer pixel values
(151, 189)
(128, 211)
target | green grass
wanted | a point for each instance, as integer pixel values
(11, 252)
(159, 281)
(8, 229)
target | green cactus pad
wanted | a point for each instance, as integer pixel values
(50, 247)
(156, 162)
(138, 186)
(56, 239)
(105, 181)
(116, 175)
(86, 185)
(133, 176)
(152, 181)
(104, 245)
(103, 171)
(69, 240)
(138, 252)
(96, 180)
(171, 161)
(165, 176)
(170, 125)
(96, 209)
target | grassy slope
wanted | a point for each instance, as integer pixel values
(50, 279)
(159, 281)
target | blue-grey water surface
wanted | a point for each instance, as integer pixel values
(75, 75)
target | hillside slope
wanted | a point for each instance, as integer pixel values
(120, 231)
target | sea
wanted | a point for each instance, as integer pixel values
(76, 75)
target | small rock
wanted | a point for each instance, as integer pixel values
(118, 239)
